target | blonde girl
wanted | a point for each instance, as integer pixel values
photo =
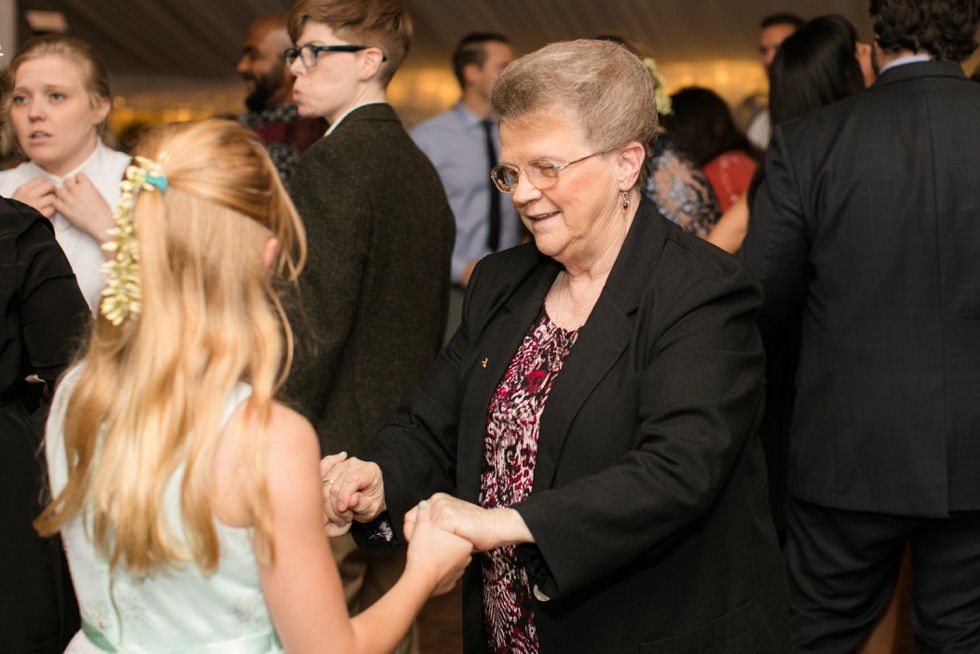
(187, 497)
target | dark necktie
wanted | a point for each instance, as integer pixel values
(493, 236)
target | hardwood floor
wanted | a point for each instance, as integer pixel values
(440, 629)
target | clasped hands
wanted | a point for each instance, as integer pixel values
(353, 490)
(76, 199)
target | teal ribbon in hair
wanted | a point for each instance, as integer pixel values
(157, 180)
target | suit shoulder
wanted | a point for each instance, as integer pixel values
(697, 252)
(691, 260)
(319, 152)
(17, 218)
(345, 154)
(511, 261)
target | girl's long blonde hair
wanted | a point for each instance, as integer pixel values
(150, 396)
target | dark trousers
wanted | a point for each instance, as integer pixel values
(841, 568)
(38, 613)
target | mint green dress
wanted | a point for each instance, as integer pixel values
(177, 610)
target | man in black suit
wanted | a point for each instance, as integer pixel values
(380, 235)
(868, 224)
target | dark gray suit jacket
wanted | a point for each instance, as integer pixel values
(649, 504)
(869, 223)
(375, 286)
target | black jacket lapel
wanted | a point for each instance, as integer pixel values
(493, 349)
(602, 340)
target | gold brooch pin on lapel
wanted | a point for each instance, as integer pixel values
(484, 363)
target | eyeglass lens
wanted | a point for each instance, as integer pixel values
(541, 174)
(308, 53)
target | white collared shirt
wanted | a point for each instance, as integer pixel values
(901, 61)
(333, 125)
(105, 168)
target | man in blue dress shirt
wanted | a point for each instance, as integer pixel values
(458, 142)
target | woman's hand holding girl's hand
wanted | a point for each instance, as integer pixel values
(486, 529)
(438, 555)
(352, 490)
(334, 523)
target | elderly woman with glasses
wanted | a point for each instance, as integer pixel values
(591, 427)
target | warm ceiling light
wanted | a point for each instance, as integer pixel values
(46, 22)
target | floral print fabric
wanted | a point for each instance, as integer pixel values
(509, 454)
(680, 189)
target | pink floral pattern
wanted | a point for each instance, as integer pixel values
(509, 453)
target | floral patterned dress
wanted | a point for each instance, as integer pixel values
(680, 189)
(509, 454)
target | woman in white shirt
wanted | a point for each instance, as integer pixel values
(58, 106)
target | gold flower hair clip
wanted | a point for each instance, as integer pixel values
(123, 293)
(659, 87)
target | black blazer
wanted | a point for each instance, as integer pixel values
(43, 316)
(868, 223)
(649, 499)
(376, 283)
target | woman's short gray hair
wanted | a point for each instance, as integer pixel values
(598, 84)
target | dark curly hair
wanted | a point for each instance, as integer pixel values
(946, 29)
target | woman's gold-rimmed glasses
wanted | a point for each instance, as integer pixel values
(541, 173)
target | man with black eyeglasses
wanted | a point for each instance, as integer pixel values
(463, 144)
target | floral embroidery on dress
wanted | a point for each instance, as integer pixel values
(509, 454)
(251, 610)
(133, 610)
(101, 618)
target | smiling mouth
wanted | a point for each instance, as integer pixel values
(39, 135)
(538, 217)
